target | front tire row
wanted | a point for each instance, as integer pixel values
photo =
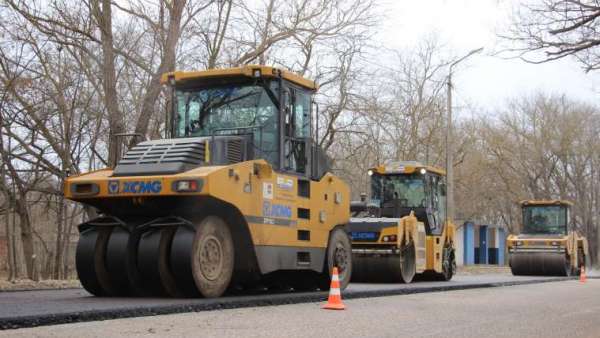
(183, 261)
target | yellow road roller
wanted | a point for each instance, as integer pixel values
(237, 195)
(548, 243)
(402, 230)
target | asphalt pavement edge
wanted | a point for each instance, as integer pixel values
(241, 302)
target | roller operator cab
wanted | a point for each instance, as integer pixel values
(239, 195)
(402, 230)
(548, 243)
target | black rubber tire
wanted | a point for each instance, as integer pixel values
(569, 268)
(152, 262)
(135, 278)
(181, 261)
(448, 265)
(408, 262)
(339, 254)
(90, 263)
(116, 262)
(580, 262)
(213, 257)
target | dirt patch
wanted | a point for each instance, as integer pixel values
(28, 284)
(482, 269)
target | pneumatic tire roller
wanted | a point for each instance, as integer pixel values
(237, 195)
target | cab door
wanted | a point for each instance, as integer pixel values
(297, 131)
(436, 194)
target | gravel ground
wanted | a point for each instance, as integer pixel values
(560, 309)
(482, 270)
(28, 284)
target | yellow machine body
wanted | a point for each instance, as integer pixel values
(268, 201)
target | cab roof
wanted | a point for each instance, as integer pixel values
(249, 71)
(545, 202)
(407, 167)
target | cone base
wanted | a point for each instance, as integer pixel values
(333, 307)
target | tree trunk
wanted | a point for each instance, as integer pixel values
(116, 126)
(167, 64)
(9, 251)
(26, 235)
(59, 238)
(67, 242)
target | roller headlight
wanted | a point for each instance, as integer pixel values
(390, 238)
(187, 185)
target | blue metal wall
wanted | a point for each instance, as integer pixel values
(483, 252)
(468, 243)
(501, 245)
(483, 245)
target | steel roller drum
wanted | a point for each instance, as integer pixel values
(540, 263)
(382, 269)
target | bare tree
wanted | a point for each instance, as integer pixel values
(547, 30)
(541, 147)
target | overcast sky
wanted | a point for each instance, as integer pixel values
(484, 81)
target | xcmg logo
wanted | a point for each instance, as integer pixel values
(134, 187)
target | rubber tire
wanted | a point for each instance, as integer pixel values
(338, 239)
(117, 262)
(136, 280)
(89, 261)
(581, 261)
(569, 268)
(408, 264)
(213, 228)
(448, 269)
(181, 261)
(152, 262)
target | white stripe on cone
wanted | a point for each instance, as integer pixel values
(335, 278)
(335, 292)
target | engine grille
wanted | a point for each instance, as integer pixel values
(191, 152)
(162, 157)
(235, 153)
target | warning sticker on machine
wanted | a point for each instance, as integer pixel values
(268, 190)
(285, 183)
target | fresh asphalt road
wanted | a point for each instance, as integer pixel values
(33, 308)
(557, 309)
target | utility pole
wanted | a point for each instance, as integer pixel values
(449, 142)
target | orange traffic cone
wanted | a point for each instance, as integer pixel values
(335, 294)
(582, 278)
